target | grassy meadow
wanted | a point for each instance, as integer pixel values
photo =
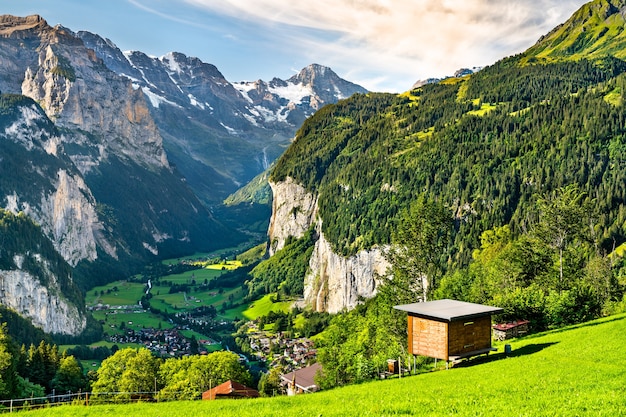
(264, 305)
(575, 371)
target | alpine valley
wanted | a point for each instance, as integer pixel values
(119, 159)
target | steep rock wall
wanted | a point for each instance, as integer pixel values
(22, 292)
(76, 90)
(333, 283)
(294, 211)
(69, 215)
(66, 209)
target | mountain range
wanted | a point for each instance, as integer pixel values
(120, 158)
(221, 134)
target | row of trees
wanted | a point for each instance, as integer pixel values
(133, 371)
(42, 370)
(37, 371)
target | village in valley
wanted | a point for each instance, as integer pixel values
(185, 313)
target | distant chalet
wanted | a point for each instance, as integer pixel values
(302, 380)
(230, 389)
(448, 329)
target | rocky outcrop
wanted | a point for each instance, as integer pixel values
(70, 215)
(333, 282)
(60, 200)
(77, 91)
(44, 305)
(294, 211)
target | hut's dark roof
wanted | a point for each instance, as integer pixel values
(448, 310)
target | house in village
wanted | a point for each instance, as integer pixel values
(448, 329)
(230, 389)
(302, 380)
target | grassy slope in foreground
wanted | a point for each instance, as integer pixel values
(575, 371)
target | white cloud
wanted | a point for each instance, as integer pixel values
(400, 38)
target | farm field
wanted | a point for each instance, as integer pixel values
(573, 371)
(175, 293)
(263, 306)
(118, 305)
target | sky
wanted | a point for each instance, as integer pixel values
(383, 45)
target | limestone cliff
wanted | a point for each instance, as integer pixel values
(294, 211)
(44, 305)
(333, 282)
(77, 91)
(62, 203)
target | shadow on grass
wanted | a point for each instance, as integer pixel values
(522, 351)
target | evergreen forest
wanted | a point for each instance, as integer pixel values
(502, 188)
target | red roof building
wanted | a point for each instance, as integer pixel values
(505, 331)
(230, 389)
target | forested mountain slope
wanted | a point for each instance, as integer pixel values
(482, 145)
(488, 147)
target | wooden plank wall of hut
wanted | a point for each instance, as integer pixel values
(428, 338)
(469, 335)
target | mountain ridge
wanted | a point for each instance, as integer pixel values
(593, 31)
(485, 146)
(249, 122)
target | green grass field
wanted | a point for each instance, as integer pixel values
(484, 109)
(128, 293)
(263, 306)
(199, 275)
(569, 372)
(134, 321)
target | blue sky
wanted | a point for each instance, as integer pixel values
(384, 45)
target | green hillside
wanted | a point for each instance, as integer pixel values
(574, 371)
(594, 31)
(549, 125)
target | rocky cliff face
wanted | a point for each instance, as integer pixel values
(110, 136)
(57, 198)
(294, 211)
(76, 91)
(44, 305)
(333, 283)
(82, 156)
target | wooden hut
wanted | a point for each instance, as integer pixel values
(449, 329)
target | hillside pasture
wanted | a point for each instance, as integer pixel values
(264, 305)
(133, 320)
(573, 371)
(197, 275)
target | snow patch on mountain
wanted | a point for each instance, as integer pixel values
(295, 93)
(155, 99)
